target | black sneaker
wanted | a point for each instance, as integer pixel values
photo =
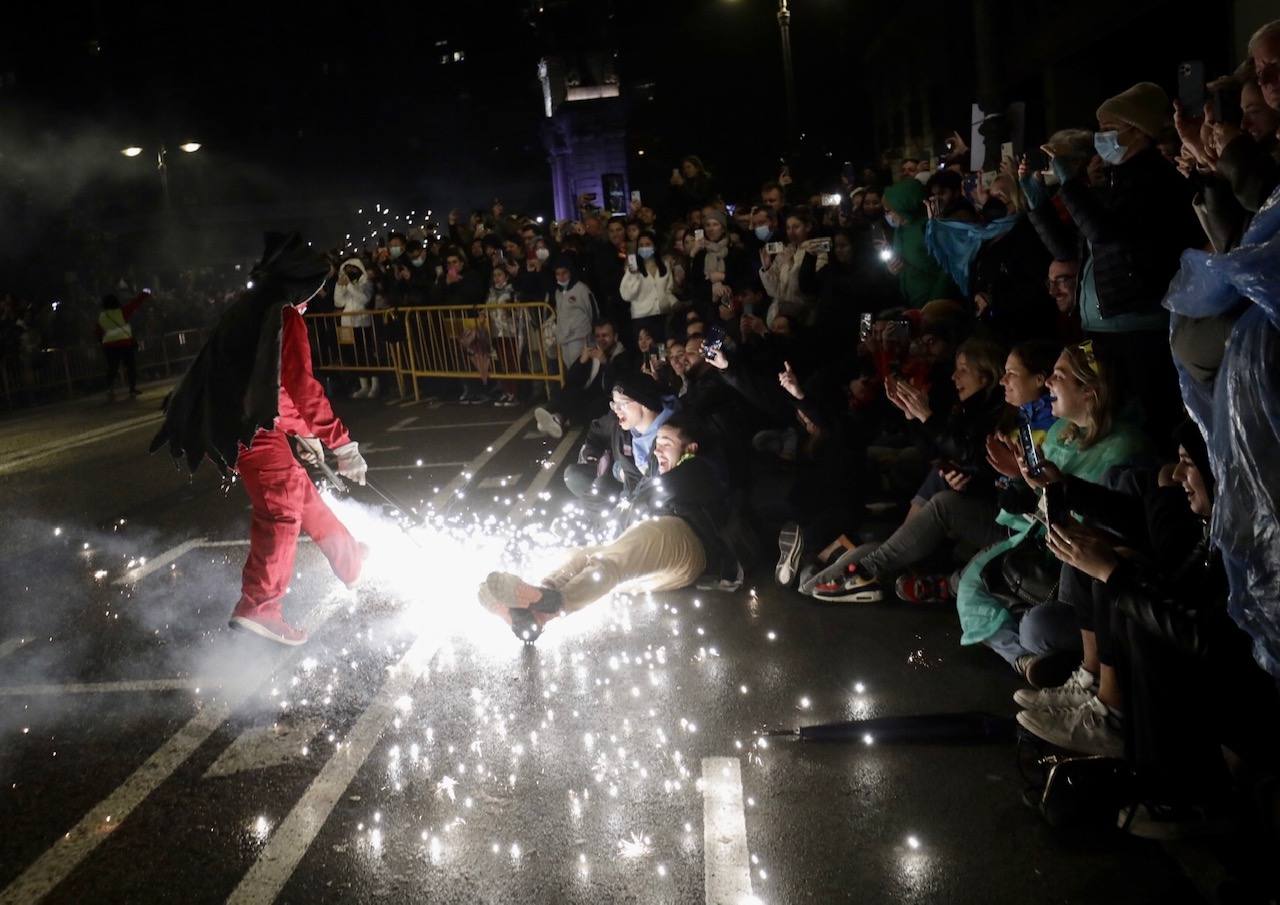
(790, 550)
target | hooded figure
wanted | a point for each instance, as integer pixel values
(249, 389)
(920, 278)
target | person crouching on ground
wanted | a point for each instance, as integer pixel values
(672, 537)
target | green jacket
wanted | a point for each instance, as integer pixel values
(922, 278)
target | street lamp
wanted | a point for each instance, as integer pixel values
(162, 166)
(788, 75)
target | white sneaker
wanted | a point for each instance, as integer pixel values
(1072, 693)
(549, 424)
(1089, 728)
(790, 551)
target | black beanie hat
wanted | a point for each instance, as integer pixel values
(642, 388)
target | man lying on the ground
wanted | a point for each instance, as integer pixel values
(672, 538)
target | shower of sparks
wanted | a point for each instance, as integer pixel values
(635, 846)
(613, 704)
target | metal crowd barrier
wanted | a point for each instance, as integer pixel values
(444, 342)
(33, 376)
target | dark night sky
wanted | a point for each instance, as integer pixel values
(339, 104)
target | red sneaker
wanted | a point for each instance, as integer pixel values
(266, 622)
(923, 588)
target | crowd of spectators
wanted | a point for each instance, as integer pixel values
(1040, 400)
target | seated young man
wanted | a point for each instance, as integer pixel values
(672, 537)
(587, 382)
(615, 455)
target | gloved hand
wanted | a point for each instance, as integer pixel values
(350, 463)
(310, 451)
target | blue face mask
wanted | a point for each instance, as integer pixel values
(1108, 146)
(763, 233)
(395, 251)
(645, 251)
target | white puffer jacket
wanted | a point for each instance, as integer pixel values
(354, 297)
(648, 291)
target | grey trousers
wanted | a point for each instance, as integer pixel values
(947, 516)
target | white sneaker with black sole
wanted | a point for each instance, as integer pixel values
(549, 424)
(1075, 691)
(790, 550)
(1088, 728)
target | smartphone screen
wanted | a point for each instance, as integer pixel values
(864, 326)
(713, 341)
(1029, 451)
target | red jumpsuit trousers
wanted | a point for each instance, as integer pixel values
(284, 500)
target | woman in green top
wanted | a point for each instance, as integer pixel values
(1086, 442)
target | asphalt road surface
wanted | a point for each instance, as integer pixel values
(414, 750)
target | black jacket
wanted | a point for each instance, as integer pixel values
(1136, 228)
(606, 438)
(469, 290)
(1010, 270)
(959, 437)
(694, 491)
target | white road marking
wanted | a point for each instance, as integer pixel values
(402, 424)
(295, 834)
(726, 861)
(12, 691)
(155, 563)
(60, 859)
(544, 475)
(444, 427)
(291, 839)
(261, 747)
(415, 467)
(34, 454)
(512, 431)
(371, 448)
(500, 481)
(9, 646)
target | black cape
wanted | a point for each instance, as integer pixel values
(233, 386)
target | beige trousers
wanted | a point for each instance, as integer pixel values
(660, 554)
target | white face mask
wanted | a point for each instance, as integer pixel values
(542, 254)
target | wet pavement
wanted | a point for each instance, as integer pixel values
(414, 750)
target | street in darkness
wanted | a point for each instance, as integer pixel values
(415, 750)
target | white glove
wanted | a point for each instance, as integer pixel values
(310, 451)
(350, 463)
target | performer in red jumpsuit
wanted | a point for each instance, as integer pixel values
(250, 390)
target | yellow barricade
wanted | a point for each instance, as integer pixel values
(502, 342)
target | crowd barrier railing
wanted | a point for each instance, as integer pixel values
(503, 342)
